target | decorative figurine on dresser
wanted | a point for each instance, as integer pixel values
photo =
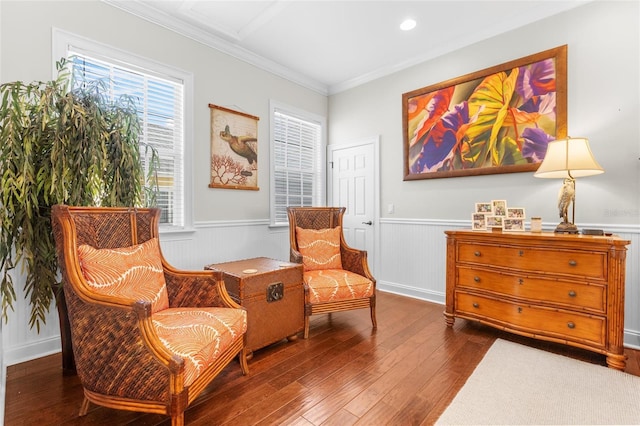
(564, 288)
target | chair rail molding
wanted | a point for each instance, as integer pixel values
(412, 264)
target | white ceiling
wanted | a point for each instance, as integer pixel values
(330, 46)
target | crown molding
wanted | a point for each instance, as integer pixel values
(513, 23)
(226, 43)
(159, 17)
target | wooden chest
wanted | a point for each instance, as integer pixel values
(562, 288)
(272, 293)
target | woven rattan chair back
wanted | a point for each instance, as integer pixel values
(315, 217)
(112, 228)
(99, 228)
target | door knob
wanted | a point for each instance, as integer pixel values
(367, 223)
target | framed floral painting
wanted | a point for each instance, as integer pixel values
(498, 120)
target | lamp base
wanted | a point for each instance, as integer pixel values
(566, 228)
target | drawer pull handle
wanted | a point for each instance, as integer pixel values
(572, 263)
(521, 253)
(476, 253)
(519, 310)
(476, 279)
(520, 281)
(476, 305)
(570, 324)
(572, 293)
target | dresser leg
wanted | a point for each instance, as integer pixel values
(618, 362)
(449, 319)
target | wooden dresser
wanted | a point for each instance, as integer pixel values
(556, 287)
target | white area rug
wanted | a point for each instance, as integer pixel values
(518, 385)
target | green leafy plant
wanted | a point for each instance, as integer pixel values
(61, 145)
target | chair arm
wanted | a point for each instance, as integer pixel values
(113, 352)
(295, 256)
(355, 260)
(197, 289)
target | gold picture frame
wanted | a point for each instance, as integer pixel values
(234, 149)
(497, 120)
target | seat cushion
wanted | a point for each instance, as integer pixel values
(199, 335)
(331, 285)
(133, 272)
(320, 248)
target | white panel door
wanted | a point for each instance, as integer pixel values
(353, 186)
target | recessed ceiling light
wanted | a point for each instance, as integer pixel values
(408, 24)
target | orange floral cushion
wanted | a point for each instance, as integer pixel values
(331, 285)
(320, 248)
(199, 335)
(130, 272)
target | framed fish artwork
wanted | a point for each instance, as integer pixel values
(498, 120)
(234, 149)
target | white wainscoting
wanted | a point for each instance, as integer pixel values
(413, 257)
(215, 242)
(411, 262)
(19, 341)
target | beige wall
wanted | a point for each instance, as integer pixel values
(219, 79)
(603, 105)
(604, 93)
(230, 224)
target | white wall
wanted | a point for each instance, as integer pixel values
(603, 96)
(604, 52)
(603, 41)
(239, 218)
(219, 79)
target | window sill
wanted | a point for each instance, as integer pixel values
(176, 233)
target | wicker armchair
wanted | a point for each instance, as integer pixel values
(336, 276)
(127, 353)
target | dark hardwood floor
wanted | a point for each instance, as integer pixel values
(405, 373)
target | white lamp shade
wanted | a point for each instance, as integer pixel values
(569, 157)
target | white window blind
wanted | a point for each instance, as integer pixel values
(298, 163)
(159, 100)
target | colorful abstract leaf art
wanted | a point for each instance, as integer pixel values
(506, 118)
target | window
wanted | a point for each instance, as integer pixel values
(161, 94)
(298, 160)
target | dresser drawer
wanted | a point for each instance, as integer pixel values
(533, 319)
(542, 261)
(573, 295)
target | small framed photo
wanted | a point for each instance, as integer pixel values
(499, 207)
(478, 222)
(494, 221)
(512, 224)
(485, 208)
(515, 212)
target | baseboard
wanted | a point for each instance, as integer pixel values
(631, 339)
(3, 390)
(51, 345)
(3, 379)
(33, 350)
(410, 291)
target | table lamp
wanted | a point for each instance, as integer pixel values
(568, 159)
